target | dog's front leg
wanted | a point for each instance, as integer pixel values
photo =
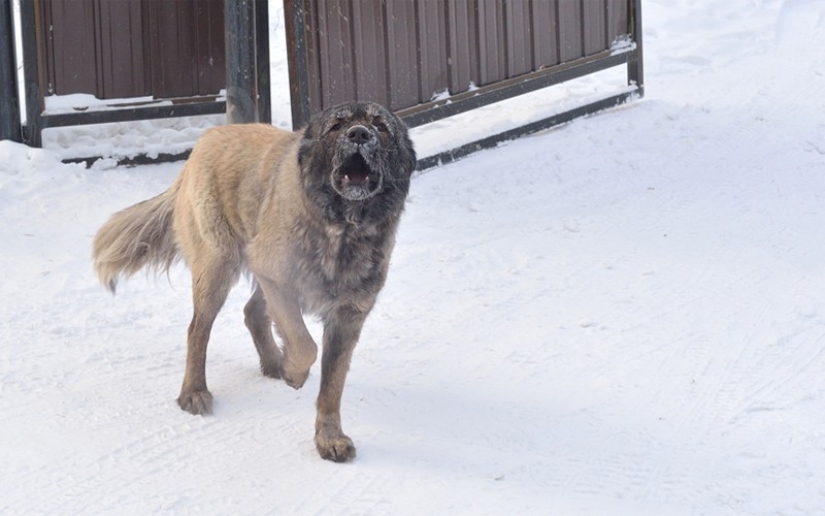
(341, 331)
(300, 351)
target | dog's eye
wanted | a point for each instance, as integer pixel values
(336, 127)
(381, 126)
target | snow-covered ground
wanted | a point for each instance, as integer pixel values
(625, 315)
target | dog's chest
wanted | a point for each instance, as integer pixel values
(341, 259)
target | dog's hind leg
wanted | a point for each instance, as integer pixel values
(342, 329)
(260, 326)
(211, 281)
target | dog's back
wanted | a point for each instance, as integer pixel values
(225, 184)
(215, 200)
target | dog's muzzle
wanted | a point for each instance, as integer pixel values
(356, 178)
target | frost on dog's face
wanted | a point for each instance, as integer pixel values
(360, 150)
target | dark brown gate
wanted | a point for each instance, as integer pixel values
(122, 49)
(428, 59)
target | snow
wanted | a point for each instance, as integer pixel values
(620, 316)
(85, 102)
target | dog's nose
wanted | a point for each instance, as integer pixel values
(359, 134)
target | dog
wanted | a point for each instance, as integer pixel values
(311, 215)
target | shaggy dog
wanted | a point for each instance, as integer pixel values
(311, 215)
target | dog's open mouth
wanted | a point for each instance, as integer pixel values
(355, 178)
(355, 170)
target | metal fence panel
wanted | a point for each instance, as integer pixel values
(428, 59)
(124, 49)
(417, 52)
(545, 16)
(405, 69)
(170, 50)
(433, 40)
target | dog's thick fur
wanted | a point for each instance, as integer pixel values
(311, 215)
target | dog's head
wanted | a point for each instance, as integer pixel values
(360, 150)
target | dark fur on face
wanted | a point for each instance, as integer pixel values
(357, 159)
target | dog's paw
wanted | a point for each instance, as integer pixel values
(196, 402)
(271, 371)
(294, 378)
(336, 447)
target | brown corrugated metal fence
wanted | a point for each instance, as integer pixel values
(124, 49)
(406, 53)
(425, 59)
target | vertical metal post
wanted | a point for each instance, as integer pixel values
(241, 81)
(31, 73)
(635, 65)
(9, 102)
(264, 99)
(296, 45)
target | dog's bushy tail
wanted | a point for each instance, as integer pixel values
(137, 237)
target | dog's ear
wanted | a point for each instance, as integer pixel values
(309, 138)
(407, 158)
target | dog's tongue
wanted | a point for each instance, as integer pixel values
(356, 177)
(356, 170)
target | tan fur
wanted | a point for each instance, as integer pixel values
(304, 216)
(136, 237)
